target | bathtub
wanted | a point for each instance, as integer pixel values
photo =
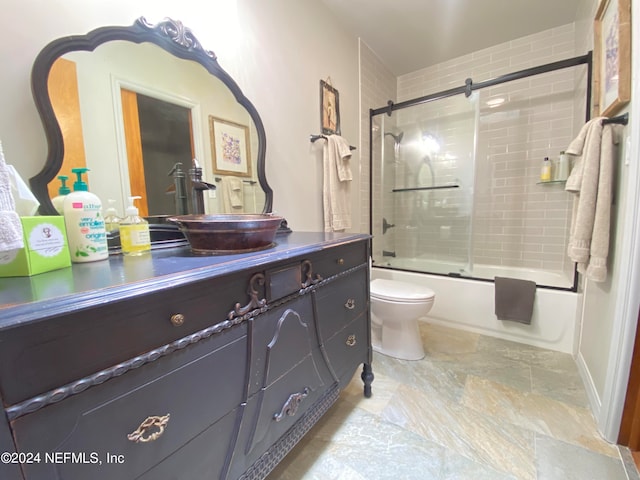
(469, 305)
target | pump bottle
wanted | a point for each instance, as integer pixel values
(63, 191)
(84, 223)
(134, 231)
(111, 218)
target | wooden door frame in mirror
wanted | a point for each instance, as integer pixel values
(170, 35)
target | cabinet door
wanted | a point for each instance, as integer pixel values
(178, 397)
(289, 375)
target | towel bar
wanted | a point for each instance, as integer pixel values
(250, 182)
(313, 138)
(621, 120)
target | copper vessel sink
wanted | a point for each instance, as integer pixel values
(228, 233)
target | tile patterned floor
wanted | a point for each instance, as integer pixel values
(475, 408)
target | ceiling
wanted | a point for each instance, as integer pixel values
(409, 35)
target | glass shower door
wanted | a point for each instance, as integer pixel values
(424, 162)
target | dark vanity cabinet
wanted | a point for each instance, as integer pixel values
(175, 366)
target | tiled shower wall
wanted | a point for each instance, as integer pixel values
(515, 222)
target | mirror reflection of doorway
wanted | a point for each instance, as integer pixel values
(158, 135)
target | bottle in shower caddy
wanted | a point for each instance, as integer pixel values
(134, 231)
(545, 171)
(562, 173)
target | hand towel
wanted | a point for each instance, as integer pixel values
(336, 184)
(591, 180)
(514, 299)
(232, 195)
(10, 226)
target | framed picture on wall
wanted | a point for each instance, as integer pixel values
(611, 57)
(329, 109)
(229, 147)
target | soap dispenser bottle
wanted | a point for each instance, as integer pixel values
(63, 191)
(84, 223)
(545, 171)
(111, 218)
(134, 231)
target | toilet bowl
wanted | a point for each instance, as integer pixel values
(395, 309)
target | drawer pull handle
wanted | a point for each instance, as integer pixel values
(341, 261)
(177, 319)
(155, 425)
(351, 341)
(351, 304)
(290, 407)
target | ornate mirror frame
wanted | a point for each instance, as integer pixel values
(170, 35)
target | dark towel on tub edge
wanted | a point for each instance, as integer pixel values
(514, 299)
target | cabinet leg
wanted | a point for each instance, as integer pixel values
(367, 378)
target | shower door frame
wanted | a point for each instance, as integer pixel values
(467, 89)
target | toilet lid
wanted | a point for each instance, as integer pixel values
(397, 290)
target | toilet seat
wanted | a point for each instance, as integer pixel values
(394, 290)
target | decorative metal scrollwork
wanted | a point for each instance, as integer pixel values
(175, 31)
(252, 291)
(307, 273)
(290, 407)
(152, 427)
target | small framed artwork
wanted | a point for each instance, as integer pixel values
(611, 57)
(329, 109)
(229, 147)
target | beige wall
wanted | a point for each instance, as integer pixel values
(277, 51)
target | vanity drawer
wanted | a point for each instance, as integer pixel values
(87, 341)
(184, 389)
(348, 348)
(340, 301)
(336, 260)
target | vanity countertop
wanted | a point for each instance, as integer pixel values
(24, 299)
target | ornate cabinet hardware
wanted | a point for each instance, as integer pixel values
(177, 319)
(290, 407)
(252, 291)
(152, 427)
(307, 273)
(351, 341)
(351, 304)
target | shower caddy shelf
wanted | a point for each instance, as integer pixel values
(619, 120)
(552, 182)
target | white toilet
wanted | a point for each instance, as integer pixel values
(395, 309)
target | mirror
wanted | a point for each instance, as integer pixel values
(130, 103)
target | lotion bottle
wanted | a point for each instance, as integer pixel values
(545, 171)
(63, 191)
(134, 231)
(84, 223)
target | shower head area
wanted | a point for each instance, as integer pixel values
(457, 174)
